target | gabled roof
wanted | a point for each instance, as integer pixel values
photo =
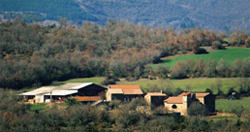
(128, 89)
(62, 92)
(177, 99)
(174, 100)
(87, 98)
(132, 91)
(155, 94)
(42, 90)
(66, 89)
(201, 94)
(184, 94)
(124, 87)
(115, 91)
(74, 86)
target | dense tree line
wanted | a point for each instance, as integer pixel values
(115, 116)
(35, 55)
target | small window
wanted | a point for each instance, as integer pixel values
(174, 106)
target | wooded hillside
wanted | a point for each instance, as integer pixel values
(35, 55)
(223, 15)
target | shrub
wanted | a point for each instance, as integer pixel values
(217, 45)
(197, 109)
(237, 110)
(71, 101)
(110, 80)
(163, 72)
(179, 71)
(200, 51)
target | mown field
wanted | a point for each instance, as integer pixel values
(225, 105)
(195, 84)
(228, 55)
(97, 80)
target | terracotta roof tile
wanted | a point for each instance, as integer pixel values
(131, 91)
(128, 89)
(174, 100)
(184, 94)
(87, 98)
(155, 94)
(201, 94)
(125, 87)
(115, 91)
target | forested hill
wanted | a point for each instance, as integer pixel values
(31, 54)
(217, 15)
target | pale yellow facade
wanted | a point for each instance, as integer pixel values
(178, 107)
(201, 99)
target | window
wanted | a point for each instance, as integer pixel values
(174, 106)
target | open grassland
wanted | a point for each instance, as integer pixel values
(228, 55)
(192, 84)
(225, 105)
(195, 85)
(96, 80)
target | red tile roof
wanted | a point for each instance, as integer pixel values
(155, 94)
(174, 100)
(178, 99)
(124, 86)
(201, 94)
(184, 94)
(128, 89)
(87, 98)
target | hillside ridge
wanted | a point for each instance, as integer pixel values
(224, 15)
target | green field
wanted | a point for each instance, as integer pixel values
(195, 85)
(97, 80)
(225, 105)
(228, 55)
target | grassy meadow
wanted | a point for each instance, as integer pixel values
(193, 84)
(96, 80)
(225, 105)
(228, 55)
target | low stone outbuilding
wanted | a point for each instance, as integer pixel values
(123, 92)
(155, 98)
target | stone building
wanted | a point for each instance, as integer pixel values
(180, 104)
(123, 92)
(155, 98)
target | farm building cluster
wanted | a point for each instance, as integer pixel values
(93, 93)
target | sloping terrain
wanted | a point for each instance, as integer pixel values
(229, 55)
(211, 14)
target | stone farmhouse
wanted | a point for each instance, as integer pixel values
(180, 104)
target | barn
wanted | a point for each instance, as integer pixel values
(80, 91)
